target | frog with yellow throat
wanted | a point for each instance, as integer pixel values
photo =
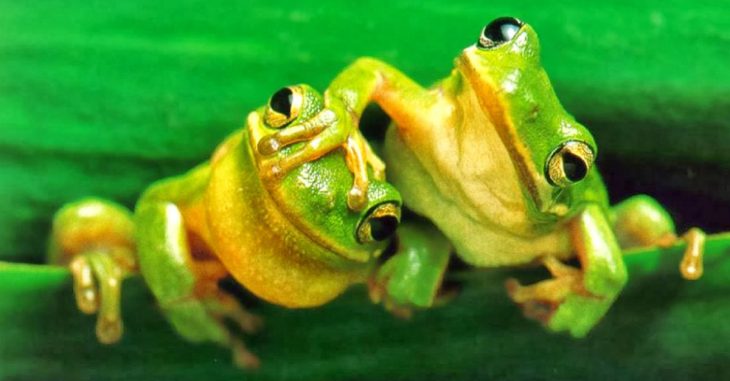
(492, 159)
(298, 242)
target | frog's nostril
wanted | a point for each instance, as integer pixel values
(574, 167)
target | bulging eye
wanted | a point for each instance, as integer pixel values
(379, 224)
(284, 106)
(498, 32)
(569, 163)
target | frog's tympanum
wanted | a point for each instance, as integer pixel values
(297, 239)
(492, 159)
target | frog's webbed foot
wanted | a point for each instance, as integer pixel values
(539, 301)
(322, 134)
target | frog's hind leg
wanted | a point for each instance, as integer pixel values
(186, 285)
(641, 221)
(94, 238)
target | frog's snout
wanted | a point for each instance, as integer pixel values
(569, 163)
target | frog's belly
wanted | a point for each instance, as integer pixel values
(485, 247)
(478, 242)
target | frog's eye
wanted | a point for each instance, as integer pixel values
(284, 106)
(569, 163)
(379, 224)
(498, 32)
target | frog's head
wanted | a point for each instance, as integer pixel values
(549, 149)
(313, 196)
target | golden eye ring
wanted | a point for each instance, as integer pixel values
(380, 223)
(569, 163)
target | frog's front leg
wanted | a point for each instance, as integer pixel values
(576, 299)
(186, 289)
(412, 277)
(366, 80)
(642, 221)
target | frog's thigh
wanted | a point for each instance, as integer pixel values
(641, 221)
(166, 266)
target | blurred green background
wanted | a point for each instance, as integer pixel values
(101, 98)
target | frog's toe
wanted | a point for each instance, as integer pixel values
(357, 198)
(87, 296)
(269, 145)
(556, 303)
(691, 266)
(97, 287)
(270, 170)
(248, 322)
(109, 329)
(242, 357)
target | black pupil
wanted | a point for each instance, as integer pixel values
(281, 101)
(574, 167)
(502, 29)
(383, 227)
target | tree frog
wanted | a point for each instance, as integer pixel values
(296, 240)
(492, 159)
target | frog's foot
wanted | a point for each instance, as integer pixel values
(227, 307)
(97, 286)
(358, 155)
(242, 357)
(560, 303)
(308, 129)
(355, 152)
(322, 134)
(94, 238)
(377, 165)
(691, 266)
(641, 221)
(377, 290)
(201, 320)
(540, 300)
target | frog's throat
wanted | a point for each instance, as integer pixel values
(492, 104)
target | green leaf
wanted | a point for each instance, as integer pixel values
(661, 326)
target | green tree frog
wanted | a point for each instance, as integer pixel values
(492, 159)
(296, 240)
